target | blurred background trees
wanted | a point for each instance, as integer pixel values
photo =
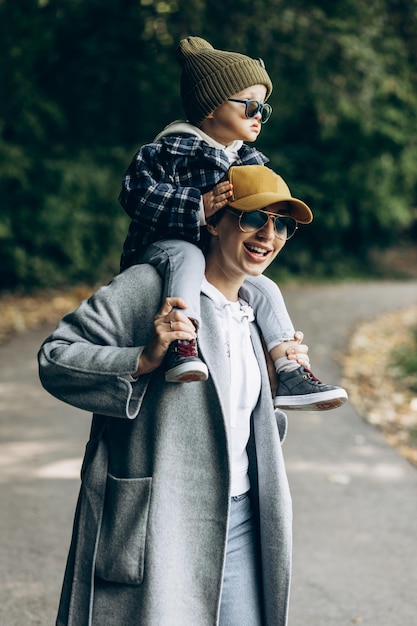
(86, 82)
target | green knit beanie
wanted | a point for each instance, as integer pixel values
(210, 76)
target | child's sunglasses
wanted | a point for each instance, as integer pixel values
(253, 107)
(249, 221)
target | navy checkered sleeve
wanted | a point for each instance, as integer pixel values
(153, 196)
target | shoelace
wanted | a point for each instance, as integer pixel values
(312, 377)
(186, 348)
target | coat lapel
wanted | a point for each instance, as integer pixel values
(211, 344)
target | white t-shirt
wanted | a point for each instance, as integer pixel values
(245, 380)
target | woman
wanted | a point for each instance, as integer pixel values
(184, 514)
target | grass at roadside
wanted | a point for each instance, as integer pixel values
(20, 313)
(380, 373)
(404, 363)
(404, 372)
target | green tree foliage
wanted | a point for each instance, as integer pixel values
(350, 131)
(86, 82)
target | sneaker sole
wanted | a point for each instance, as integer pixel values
(320, 401)
(187, 373)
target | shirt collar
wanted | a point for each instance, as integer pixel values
(239, 309)
(180, 127)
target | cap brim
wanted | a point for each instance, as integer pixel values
(298, 209)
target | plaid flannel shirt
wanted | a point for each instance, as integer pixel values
(163, 185)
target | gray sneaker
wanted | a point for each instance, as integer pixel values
(301, 390)
(182, 363)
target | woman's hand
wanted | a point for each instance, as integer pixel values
(216, 199)
(297, 351)
(169, 325)
(293, 349)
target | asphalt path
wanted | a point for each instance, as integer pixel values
(355, 498)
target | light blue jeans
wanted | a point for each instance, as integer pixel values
(241, 600)
(182, 265)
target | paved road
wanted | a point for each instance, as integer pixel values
(355, 498)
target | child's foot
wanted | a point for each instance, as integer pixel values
(182, 363)
(300, 389)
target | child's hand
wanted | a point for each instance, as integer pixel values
(216, 198)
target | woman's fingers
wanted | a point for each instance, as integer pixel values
(299, 336)
(297, 351)
(168, 304)
(170, 324)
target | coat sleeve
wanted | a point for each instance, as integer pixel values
(87, 360)
(152, 197)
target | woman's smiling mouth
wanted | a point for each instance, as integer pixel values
(257, 250)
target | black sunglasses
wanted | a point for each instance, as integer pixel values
(253, 107)
(249, 221)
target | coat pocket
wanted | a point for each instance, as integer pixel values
(121, 547)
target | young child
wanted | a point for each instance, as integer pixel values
(177, 182)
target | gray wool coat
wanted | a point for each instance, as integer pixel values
(150, 529)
